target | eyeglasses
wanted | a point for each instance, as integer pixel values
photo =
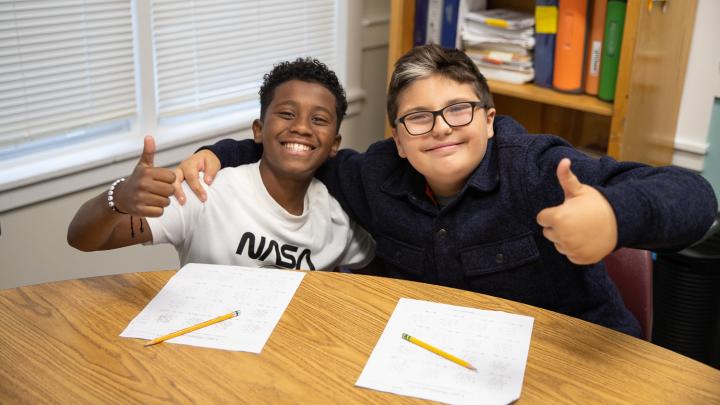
(455, 115)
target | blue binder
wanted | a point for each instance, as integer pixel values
(421, 17)
(449, 29)
(545, 41)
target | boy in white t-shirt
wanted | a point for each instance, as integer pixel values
(269, 214)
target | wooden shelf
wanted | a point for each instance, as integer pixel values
(580, 102)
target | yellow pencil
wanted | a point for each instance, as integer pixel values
(189, 329)
(437, 351)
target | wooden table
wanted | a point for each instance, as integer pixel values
(59, 343)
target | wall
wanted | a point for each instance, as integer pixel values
(712, 161)
(375, 24)
(693, 135)
(33, 247)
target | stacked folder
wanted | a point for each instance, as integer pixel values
(500, 42)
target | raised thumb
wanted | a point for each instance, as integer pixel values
(148, 154)
(568, 181)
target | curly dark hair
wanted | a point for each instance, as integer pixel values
(308, 70)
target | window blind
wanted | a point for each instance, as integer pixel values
(211, 53)
(66, 68)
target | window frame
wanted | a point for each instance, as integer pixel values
(48, 174)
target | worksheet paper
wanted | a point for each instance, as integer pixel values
(494, 342)
(199, 292)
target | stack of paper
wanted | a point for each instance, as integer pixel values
(500, 42)
(199, 292)
(495, 343)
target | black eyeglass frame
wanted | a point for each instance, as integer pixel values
(475, 104)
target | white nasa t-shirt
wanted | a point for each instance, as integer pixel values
(241, 224)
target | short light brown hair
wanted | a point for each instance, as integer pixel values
(427, 60)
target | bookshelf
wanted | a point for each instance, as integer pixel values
(639, 125)
(544, 95)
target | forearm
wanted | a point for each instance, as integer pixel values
(97, 227)
(234, 153)
(669, 208)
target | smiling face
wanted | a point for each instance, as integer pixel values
(447, 155)
(298, 132)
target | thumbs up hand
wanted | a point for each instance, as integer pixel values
(583, 227)
(146, 192)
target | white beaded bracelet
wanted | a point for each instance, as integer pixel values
(110, 193)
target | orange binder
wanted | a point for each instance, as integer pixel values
(570, 45)
(594, 47)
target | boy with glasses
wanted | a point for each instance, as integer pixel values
(455, 115)
(465, 199)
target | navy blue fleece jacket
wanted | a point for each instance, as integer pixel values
(487, 239)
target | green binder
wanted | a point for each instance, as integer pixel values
(612, 42)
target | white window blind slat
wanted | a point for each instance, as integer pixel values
(214, 53)
(221, 17)
(243, 90)
(186, 106)
(44, 5)
(58, 117)
(57, 123)
(251, 68)
(220, 39)
(166, 8)
(45, 75)
(66, 56)
(177, 55)
(61, 93)
(232, 59)
(63, 21)
(65, 65)
(44, 38)
(80, 112)
(50, 108)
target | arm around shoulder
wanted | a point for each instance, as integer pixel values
(210, 159)
(233, 152)
(350, 176)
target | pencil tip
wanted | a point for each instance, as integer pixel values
(472, 368)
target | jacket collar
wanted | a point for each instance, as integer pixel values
(404, 181)
(486, 176)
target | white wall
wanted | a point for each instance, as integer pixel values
(33, 248)
(702, 85)
(375, 25)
